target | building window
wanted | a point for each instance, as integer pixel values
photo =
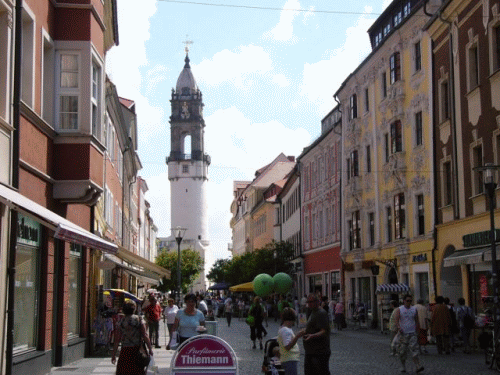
(444, 101)
(383, 84)
(397, 18)
(378, 39)
(386, 147)
(395, 67)
(367, 100)
(108, 207)
(69, 72)
(28, 60)
(185, 168)
(48, 80)
(95, 101)
(420, 215)
(495, 48)
(406, 9)
(399, 216)
(110, 141)
(387, 29)
(396, 137)
(477, 161)
(335, 285)
(354, 228)
(368, 159)
(27, 286)
(473, 66)
(354, 163)
(74, 293)
(353, 107)
(371, 223)
(348, 168)
(418, 129)
(418, 56)
(5, 58)
(447, 184)
(388, 224)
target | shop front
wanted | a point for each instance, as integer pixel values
(322, 271)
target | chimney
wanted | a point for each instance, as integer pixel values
(291, 158)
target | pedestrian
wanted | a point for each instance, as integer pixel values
(189, 319)
(130, 332)
(256, 329)
(228, 310)
(407, 322)
(441, 325)
(202, 305)
(287, 340)
(466, 322)
(316, 339)
(339, 316)
(169, 314)
(153, 315)
(422, 322)
(454, 330)
(264, 311)
(393, 328)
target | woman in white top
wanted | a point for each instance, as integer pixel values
(287, 340)
(169, 313)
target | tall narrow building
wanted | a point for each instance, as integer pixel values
(188, 167)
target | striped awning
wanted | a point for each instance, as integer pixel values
(392, 288)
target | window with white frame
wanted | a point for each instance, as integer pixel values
(96, 101)
(48, 56)
(472, 61)
(397, 18)
(74, 289)
(399, 216)
(68, 90)
(110, 141)
(353, 107)
(108, 207)
(420, 214)
(354, 230)
(28, 60)
(395, 67)
(5, 56)
(387, 29)
(407, 9)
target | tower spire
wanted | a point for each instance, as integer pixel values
(187, 42)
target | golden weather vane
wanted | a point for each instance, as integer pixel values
(187, 42)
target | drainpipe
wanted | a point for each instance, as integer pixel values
(16, 121)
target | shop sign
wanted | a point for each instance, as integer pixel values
(480, 238)
(419, 258)
(28, 231)
(204, 354)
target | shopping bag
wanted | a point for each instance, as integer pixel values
(174, 341)
(302, 320)
(152, 368)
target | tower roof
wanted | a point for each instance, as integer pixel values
(186, 79)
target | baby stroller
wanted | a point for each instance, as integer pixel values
(271, 365)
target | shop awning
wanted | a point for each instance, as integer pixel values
(392, 288)
(219, 286)
(469, 256)
(132, 258)
(148, 277)
(246, 287)
(64, 229)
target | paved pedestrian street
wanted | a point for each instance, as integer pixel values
(354, 352)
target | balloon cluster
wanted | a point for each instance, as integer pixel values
(264, 284)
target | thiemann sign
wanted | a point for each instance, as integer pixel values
(205, 354)
(480, 238)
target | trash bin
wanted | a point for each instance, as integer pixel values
(211, 328)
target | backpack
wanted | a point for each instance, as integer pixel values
(469, 322)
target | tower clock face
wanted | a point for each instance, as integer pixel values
(185, 111)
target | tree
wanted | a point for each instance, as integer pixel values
(217, 273)
(191, 266)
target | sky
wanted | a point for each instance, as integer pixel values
(267, 69)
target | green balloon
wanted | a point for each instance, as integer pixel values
(263, 284)
(282, 283)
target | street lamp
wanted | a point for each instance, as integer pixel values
(490, 185)
(178, 233)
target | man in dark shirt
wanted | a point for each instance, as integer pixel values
(316, 339)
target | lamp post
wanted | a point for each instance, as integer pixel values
(490, 185)
(178, 233)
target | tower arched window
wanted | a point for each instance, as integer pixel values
(187, 146)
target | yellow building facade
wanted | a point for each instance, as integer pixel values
(387, 187)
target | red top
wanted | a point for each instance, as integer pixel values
(153, 312)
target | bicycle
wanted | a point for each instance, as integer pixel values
(490, 341)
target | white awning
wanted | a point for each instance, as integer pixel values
(147, 277)
(132, 258)
(469, 256)
(64, 229)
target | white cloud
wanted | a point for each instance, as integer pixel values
(283, 31)
(154, 76)
(308, 15)
(234, 66)
(322, 79)
(281, 80)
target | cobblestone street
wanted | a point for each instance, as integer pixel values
(354, 352)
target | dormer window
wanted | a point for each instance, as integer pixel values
(387, 29)
(406, 9)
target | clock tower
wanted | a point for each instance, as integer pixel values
(188, 167)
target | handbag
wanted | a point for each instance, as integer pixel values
(143, 357)
(174, 341)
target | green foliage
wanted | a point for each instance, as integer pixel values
(191, 266)
(244, 268)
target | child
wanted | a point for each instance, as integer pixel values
(275, 360)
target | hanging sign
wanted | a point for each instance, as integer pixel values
(204, 354)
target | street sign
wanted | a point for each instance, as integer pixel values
(204, 354)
